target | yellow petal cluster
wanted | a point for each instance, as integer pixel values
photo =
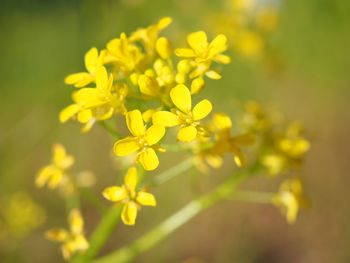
(73, 240)
(127, 196)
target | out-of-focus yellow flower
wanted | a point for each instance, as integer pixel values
(127, 196)
(204, 53)
(19, 215)
(143, 142)
(249, 44)
(289, 198)
(186, 117)
(96, 104)
(73, 240)
(227, 143)
(267, 18)
(54, 174)
(92, 62)
(274, 163)
(124, 55)
(148, 36)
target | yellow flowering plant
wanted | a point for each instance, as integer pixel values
(153, 86)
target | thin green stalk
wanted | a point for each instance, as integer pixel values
(110, 130)
(253, 196)
(92, 199)
(157, 234)
(170, 173)
(100, 235)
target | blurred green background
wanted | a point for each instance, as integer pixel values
(43, 41)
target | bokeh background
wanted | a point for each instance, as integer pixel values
(305, 73)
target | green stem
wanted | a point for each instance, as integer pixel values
(252, 196)
(100, 235)
(157, 234)
(170, 173)
(110, 129)
(92, 199)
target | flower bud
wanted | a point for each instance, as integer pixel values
(164, 48)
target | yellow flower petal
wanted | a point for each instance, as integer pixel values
(184, 52)
(239, 156)
(44, 174)
(222, 121)
(218, 45)
(163, 22)
(69, 112)
(164, 48)
(88, 97)
(197, 85)
(101, 78)
(131, 178)
(201, 110)
(187, 134)
(148, 85)
(114, 193)
(147, 115)
(165, 119)
(213, 74)
(126, 146)
(129, 213)
(154, 134)
(181, 97)
(223, 59)
(147, 199)
(91, 58)
(55, 179)
(149, 159)
(198, 41)
(135, 123)
(87, 127)
(84, 116)
(80, 79)
(57, 235)
(76, 222)
(59, 154)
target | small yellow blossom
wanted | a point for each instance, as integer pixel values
(227, 143)
(204, 53)
(55, 173)
(143, 142)
(124, 55)
(73, 240)
(127, 196)
(185, 117)
(290, 198)
(20, 214)
(148, 36)
(96, 104)
(92, 62)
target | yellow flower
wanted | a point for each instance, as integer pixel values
(290, 198)
(227, 143)
(96, 104)
(55, 173)
(148, 36)
(73, 240)
(249, 44)
(20, 214)
(186, 117)
(143, 142)
(124, 55)
(92, 62)
(204, 53)
(127, 196)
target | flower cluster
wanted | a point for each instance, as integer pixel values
(283, 148)
(73, 240)
(153, 85)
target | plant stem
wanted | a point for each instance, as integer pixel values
(170, 173)
(110, 130)
(154, 236)
(92, 199)
(253, 196)
(100, 235)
